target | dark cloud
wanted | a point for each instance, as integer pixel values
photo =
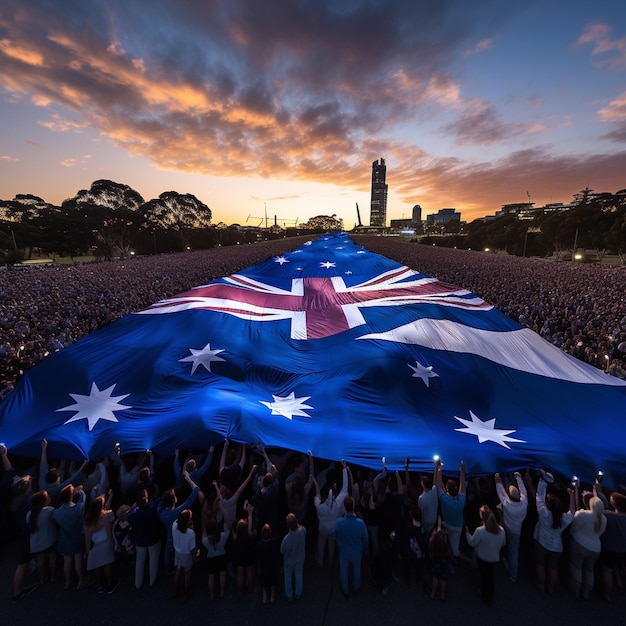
(480, 125)
(300, 90)
(618, 134)
(450, 182)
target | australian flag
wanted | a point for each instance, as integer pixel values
(333, 349)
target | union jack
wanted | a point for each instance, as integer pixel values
(318, 307)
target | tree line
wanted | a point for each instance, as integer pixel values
(109, 219)
(593, 222)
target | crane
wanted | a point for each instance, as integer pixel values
(284, 221)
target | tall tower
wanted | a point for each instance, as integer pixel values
(378, 207)
(416, 217)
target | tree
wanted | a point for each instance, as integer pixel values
(176, 214)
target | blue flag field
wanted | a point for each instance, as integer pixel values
(333, 349)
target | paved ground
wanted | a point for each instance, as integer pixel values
(322, 604)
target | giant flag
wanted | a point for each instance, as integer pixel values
(333, 349)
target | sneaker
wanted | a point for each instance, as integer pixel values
(113, 586)
(26, 591)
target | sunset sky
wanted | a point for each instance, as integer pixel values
(283, 105)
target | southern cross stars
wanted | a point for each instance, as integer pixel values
(486, 431)
(203, 357)
(98, 405)
(288, 406)
(425, 373)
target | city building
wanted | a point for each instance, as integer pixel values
(417, 215)
(442, 217)
(378, 207)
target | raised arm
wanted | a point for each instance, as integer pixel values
(177, 467)
(317, 490)
(345, 472)
(349, 474)
(573, 498)
(107, 503)
(399, 484)
(462, 481)
(43, 464)
(103, 483)
(207, 463)
(437, 474)
(223, 457)
(523, 495)
(268, 463)
(503, 496)
(249, 509)
(191, 498)
(244, 484)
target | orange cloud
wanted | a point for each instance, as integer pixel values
(21, 52)
(603, 44)
(615, 111)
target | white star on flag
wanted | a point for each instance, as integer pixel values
(486, 431)
(327, 264)
(280, 260)
(288, 406)
(203, 357)
(425, 373)
(98, 405)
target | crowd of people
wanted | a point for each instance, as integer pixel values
(250, 522)
(579, 308)
(44, 308)
(232, 518)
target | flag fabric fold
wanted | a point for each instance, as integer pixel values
(333, 349)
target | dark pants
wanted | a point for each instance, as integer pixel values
(487, 579)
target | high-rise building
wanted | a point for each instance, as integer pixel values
(378, 207)
(417, 215)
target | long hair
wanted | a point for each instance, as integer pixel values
(39, 500)
(555, 507)
(96, 506)
(597, 506)
(184, 519)
(439, 545)
(241, 532)
(489, 520)
(66, 494)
